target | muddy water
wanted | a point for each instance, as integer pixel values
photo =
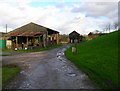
(48, 70)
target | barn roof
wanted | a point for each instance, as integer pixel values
(74, 35)
(74, 32)
(30, 29)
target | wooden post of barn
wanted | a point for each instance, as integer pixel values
(58, 38)
(27, 41)
(39, 40)
(16, 42)
(44, 42)
(75, 46)
(52, 39)
(47, 38)
(33, 41)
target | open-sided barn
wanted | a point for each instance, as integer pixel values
(32, 35)
(74, 36)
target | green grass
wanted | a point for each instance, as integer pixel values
(99, 59)
(8, 73)
(6, 55)
(34, 50)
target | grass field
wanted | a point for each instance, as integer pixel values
(8, 73)
(99, 59)
(34, 50)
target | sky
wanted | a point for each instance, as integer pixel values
(64, 16)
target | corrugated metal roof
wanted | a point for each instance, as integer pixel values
(14, 34)
(25, 34)
(29, 30)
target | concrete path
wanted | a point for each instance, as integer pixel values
(48, 70)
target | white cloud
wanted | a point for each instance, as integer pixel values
(82, 25)
(96, 9)
(18, 13)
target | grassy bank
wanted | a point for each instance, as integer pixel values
(34, 50)
(99, 59)
(8, 73)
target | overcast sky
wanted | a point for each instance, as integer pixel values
(64, 16)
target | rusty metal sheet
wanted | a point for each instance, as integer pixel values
(25, 34)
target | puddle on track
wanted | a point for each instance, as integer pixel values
(71, 74)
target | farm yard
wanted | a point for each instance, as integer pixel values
(47, 69)
(68, 44)
(93, 57)
(98, 58)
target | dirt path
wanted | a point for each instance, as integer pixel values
(48, 70)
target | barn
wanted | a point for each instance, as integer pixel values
(32, 35)
(74, 36)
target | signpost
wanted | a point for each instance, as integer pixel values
(74, 49)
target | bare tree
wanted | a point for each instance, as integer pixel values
(104, 29)
(115, 25)
(97, 31)
(107, 27)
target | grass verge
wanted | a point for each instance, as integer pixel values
(98, 58)
(34, 50)
(6, 55)
(8, 73)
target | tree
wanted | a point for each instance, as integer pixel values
(104, 30)
(115, 25)
(97, 31)
(107, 27)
